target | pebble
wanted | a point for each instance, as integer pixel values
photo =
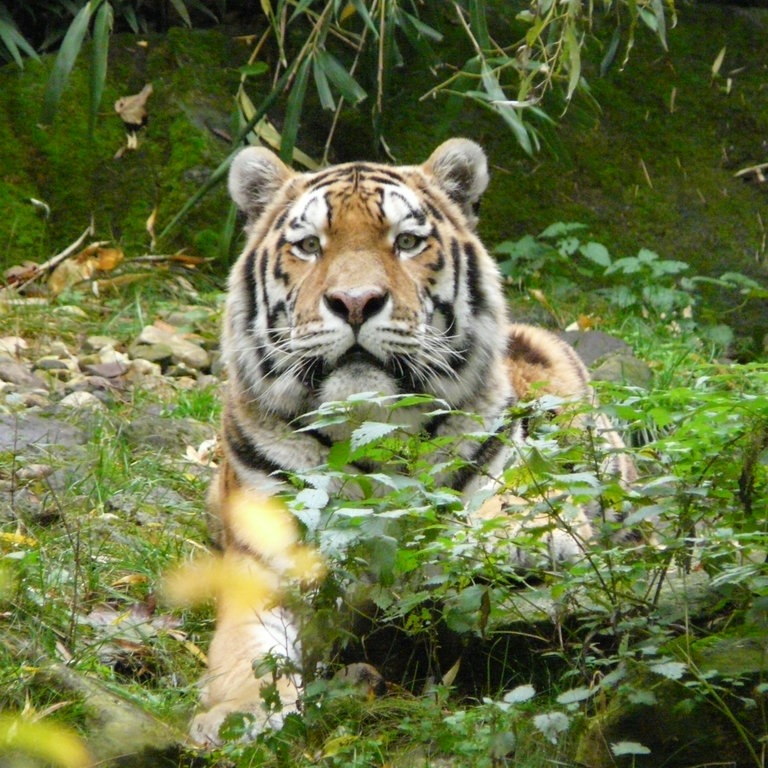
(13, 345)
(97, 343)
(83, 401)
(16, 373)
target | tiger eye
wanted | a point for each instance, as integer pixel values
(407, 241)
(310, 245)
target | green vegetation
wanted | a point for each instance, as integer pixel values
(647, 651)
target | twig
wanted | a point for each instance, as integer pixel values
(54, 261)
(753, 170)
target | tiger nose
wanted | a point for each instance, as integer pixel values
(355, 307)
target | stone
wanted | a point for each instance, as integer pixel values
(594, 345)
(624, 369)
(97, 343)
(36, 432)
(160, 352)
(19, 374)
(182, 350)
(12, 345)
(82, 400)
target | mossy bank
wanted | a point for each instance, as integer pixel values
(654, 166)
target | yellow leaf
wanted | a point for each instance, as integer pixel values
(18, 539)
(47, 741)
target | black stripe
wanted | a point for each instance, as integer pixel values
(250, 289)
(476, 298)
(245, 449)
(485, 453)
(456, 259)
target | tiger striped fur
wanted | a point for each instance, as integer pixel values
(363, 277)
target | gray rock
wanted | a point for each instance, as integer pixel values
(19, 374)
(624, 369)
(594, 345)
(19, 434)
(82, 400)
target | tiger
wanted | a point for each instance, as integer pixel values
(365, 277)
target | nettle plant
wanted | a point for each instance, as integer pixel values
(663, 292)
(400, 548)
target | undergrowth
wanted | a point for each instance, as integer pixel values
(487, 664)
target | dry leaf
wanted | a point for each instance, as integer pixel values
(151, 228)
(133, 109)
(21, 272)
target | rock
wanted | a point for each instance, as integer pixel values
(186, 353)
(32, 399)
(35, 432)
(12, 345)
(182, 350)
(594, 345)
(16, 373)
(160, 353)
(107, 370)
(61, 369)
(168, 434)
(82, 400)
(97, 343)
(624, 369)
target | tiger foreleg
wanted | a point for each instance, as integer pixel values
(253, 664)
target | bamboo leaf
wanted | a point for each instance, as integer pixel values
(610, 54)
(300, 9)
(65, 60)
(14, 40)
(573, 51)
(423, 29)
(348, 87)
(102, 27)
(478, 23)
(293, 111)
(323, 89)
(181, 9)
(362, 10)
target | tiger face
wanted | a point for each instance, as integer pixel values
(364, 277)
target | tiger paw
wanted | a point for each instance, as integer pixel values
(205, 730)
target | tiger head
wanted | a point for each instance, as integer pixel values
(363, 277)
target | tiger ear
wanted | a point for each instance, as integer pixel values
(255, 176)
(461, 169)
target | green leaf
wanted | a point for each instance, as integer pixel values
(14, 40)
(323, 89)
(520, 694)
(597, 253)
(181, 9)
(672, 670)
(478, 23)
(362, 10)
(370, 432)
(423, 29)
(254, 70)
(65, 60)
(573, 51)
(347, 85)
(560, 228)
(575, 695)
(629, 748)
(102, 28)
(293, 112)
(551, 725)
(610, 54)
